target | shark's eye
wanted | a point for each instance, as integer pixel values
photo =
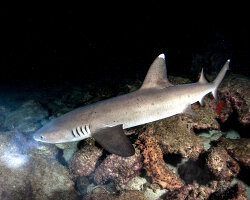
(41, 137)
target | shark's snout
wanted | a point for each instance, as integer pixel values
(39, 137)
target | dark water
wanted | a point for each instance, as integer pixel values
(53, 61)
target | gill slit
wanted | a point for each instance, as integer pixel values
(81, 131)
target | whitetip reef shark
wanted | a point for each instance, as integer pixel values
(106, 120)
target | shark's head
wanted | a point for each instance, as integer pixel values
(50, 133)
(59, 131)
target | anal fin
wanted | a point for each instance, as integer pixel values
(115, 141)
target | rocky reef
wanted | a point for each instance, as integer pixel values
(26, 118)
(31, 172)
(186, 156)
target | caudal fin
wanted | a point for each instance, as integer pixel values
(219, 78)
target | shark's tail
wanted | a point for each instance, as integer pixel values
(219, 78)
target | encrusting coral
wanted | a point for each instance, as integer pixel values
(154, 164)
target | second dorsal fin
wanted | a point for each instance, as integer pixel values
(157, 74)
(202, 79)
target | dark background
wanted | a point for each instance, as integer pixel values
(43, 43)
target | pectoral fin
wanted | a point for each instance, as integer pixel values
(115, 141)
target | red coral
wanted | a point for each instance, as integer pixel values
(221, 109)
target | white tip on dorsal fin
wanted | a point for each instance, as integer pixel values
(202, 79)
(162, 56)
(157, 74)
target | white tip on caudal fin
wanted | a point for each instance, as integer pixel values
(219, 78)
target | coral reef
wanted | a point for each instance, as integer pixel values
(84, 160)
(154, 164)
(176, 136)
(213, 190)
(190, 192)
(26, 118)
(234, 95)
(31, 173)
(118, 169)
(239, 149)
(236, 192)
(204, 116)
(221, 164)
(223, 110)
(101, 194)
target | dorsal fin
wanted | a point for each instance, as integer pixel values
(157, 74)
(202, 79)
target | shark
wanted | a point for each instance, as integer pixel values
(106, 120)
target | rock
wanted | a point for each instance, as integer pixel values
(204, 116)
(234, 95)
(31, 172)
(119, 169)
(236, 192)
(176, 136)
(154, 193)
(101, 194)
(154, 164)
(194, 171)
(190, 192)
(196, 191)
(84, 160)
(82, 184)
(68, 150)
(136, 183)
(4, 111)
(26, 118)
(222, 166)
(239, 149)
